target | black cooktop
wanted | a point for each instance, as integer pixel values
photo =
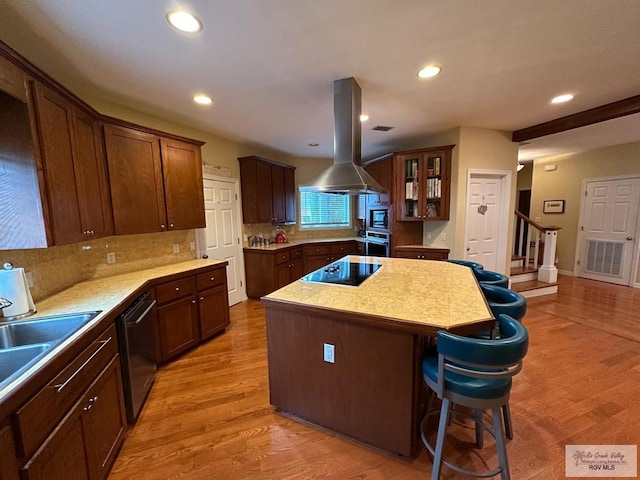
(343, 272)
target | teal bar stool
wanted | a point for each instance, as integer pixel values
(466, 263)
(477, 374)
(502, 300)
(487, 277)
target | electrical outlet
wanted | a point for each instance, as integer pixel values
(111, 257)
(329, 353)
(192, 246)
(443, 237)
(29, 276)
(176, 248)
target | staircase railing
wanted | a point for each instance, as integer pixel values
(535, 235)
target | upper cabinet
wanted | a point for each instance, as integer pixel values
(55, 185)
(423, 184)
(268, 191)
(74, 169)
(156, 183)
(381, 170)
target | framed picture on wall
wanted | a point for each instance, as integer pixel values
(553, 206)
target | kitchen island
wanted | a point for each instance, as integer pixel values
(347, 358)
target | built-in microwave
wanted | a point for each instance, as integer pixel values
(379, 218)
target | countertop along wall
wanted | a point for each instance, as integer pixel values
(565, 183)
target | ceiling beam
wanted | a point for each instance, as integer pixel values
(628, 106)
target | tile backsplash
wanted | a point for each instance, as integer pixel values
(267, 230)
(56, 268)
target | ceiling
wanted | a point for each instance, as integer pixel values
(270, 64)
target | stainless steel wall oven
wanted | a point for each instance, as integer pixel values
(378, 244)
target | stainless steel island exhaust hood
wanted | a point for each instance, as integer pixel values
(346, 175)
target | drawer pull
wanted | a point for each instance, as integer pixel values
(213, 278)
(60, 386)
(88, 407)
(177, 289)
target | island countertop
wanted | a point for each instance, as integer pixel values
(419, 295)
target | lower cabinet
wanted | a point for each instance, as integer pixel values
(8, 463)
(420, 252)
(178, 327)
(85, 442)
(190, 310)
(269, 270)
(318, 256)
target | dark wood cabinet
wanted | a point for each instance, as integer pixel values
(76, 423)
(86, 441)
(156, 183)
(55, 125)
(382, 171)
(74, 169)
(8, 463)
(268, 270)
(182, 174)
(319, 255)
(104, 420)
(90, 164)
(190, 310)
(423, 184)
(65, 451)
(419, 252)
(178, 327)
(268, 191)
(135, 177)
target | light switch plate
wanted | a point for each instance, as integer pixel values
(329, 353)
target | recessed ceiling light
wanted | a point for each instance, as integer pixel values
(184, 21)
(314, 144)
(429, 71)
(364, 117)
(562, 98)
(202, 99)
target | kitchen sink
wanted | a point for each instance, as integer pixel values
(24, 342)
(42, 330)
(12, 360)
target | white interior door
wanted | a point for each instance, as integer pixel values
(610, 216)
(220, 239)
(482, 228)
(488, 215)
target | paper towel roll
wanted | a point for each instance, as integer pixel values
(14, 287)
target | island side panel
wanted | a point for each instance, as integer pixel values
(369, 393)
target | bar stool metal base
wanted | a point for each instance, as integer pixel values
(495, 430)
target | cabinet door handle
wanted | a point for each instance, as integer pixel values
(213, 278)
(193, 301)
(88, 408)
(177, 289)
(202, 299)
(162, 226)
(171, 225)
(60, 386)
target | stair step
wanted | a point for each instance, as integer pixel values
(523, 270)
(534, 288)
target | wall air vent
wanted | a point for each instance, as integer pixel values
(604, 257)
(382, 128)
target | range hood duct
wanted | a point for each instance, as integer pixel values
(346, 175)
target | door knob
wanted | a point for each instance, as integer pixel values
(468, 249)
(629, 238)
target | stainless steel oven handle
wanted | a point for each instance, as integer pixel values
(141, 317)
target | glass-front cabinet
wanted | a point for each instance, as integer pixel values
(424, 178)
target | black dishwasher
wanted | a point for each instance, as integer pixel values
(136, 334)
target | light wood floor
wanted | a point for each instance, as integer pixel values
(208, 415)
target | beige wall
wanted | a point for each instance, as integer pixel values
(565, 183)
(476, 148)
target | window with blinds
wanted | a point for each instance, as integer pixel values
(324, 210)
